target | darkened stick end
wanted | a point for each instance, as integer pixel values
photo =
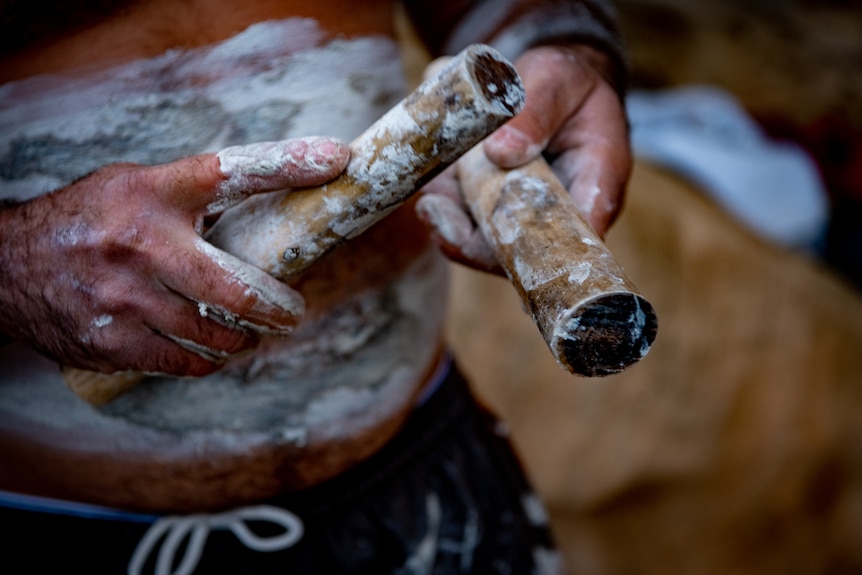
(606, 335)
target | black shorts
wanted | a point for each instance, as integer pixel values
(446, 496)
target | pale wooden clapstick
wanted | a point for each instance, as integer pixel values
(589, 313)
(451, 111)
(475, 93)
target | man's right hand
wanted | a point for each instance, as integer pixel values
(111, 272)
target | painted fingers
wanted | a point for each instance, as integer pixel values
(111, 273)
(229, 303)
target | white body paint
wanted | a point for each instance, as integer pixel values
(102, 321)
(337, 374)
(274, 76)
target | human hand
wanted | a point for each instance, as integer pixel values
(574, 116)
(111, 273)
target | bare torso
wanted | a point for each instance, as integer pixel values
(295, 411)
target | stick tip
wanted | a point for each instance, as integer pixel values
(605, 336)
(496, 78)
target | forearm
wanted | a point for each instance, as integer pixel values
(514, 26)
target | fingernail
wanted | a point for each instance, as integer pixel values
(511, 145)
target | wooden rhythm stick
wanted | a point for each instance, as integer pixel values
(588, 311)
(450, 112)
(474, 94)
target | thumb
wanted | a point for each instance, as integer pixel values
(555, 84)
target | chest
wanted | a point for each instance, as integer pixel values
(275, 80)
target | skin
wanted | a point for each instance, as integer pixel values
(109, 272)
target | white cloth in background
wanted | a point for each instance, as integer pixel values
(704, 134)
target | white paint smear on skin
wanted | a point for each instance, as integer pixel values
(103, 321)
(589, 203)
(202, 350)
(333, 89)
(220, 413)
(449, 220)
(297, 436)
(243, 165)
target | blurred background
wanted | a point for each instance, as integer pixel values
(735, 446)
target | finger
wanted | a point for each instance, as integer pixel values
(196, 328)
(165, 356)
(224, 287)
(211, 183)
(173, 335)
(556, 83)
(595, 160)
(455, 233)
(445, 184)
(148, 349)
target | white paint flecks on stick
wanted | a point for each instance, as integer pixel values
(446, 115)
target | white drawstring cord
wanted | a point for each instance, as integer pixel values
(197, 527)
